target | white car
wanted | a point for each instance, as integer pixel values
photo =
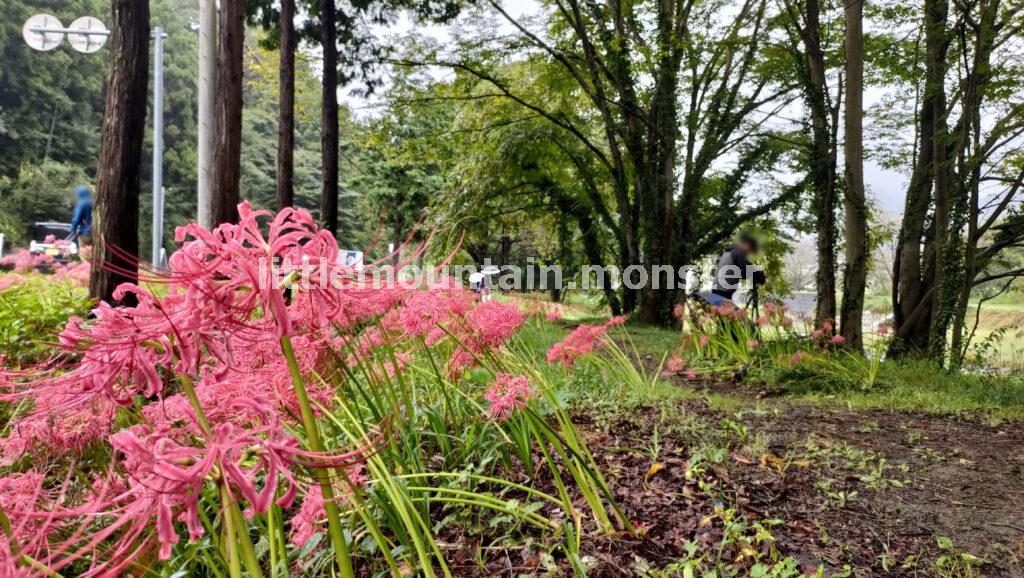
(52, 239)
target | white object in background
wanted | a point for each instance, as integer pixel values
(1, 244)
(351, 258)
(205, 120)
(89, 35)
(158, 144)
(43, 32)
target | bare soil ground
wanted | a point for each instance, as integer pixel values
(871, 493)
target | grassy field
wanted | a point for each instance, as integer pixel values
(903, 386)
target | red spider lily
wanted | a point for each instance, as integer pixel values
(580, 342)
(164, 474)
(424, 311)
(217, 322)
(674, 365)
(508, 394)
(493, 323)
(312, 513)
(55, 425)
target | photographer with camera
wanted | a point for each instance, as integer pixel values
(733, 266)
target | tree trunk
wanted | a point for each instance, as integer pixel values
(228, 156)
(942, 236)
(571, 206)
(970, 170)
(823, 164)
(329, 134)
(855, 271)
(504, 250)
(913, 272)
(116, 215)
(286, 108)
(658, 200)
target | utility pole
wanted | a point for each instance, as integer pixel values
(158, 146)
(207, 105)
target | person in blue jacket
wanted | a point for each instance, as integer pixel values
(81, 221)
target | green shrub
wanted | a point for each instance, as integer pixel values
(33, 313)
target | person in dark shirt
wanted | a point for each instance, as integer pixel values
(734, 266)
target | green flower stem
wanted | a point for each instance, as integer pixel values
(193, 400)
(230, 543)
(233, 514)
(323, 477)
(271, 539)
(252, 565)
(496, 505)
(416, 527)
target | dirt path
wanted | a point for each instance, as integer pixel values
(965, 483)
(882, 493)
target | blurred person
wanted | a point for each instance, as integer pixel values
(81, 221)
(732, 268)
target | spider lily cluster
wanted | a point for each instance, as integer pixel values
(229, 409)
(727, 338)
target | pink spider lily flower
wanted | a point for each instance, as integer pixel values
(675, 364)
(580, 342)
(553, 315)
(837, 339)
(492, 324)
(704, 340)
(460, 361)
(753, 344)
(508, 394)
(797, 357)
(311, 516)
(10, 281)
(258, 370)
(171, 476)
(584, 339)
(19, 491)
(59, 424)
(424, 311)
(164, 475)
(691, 374)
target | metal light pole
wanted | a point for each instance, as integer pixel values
(158, 145)
(207, 103)
(87, 34)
